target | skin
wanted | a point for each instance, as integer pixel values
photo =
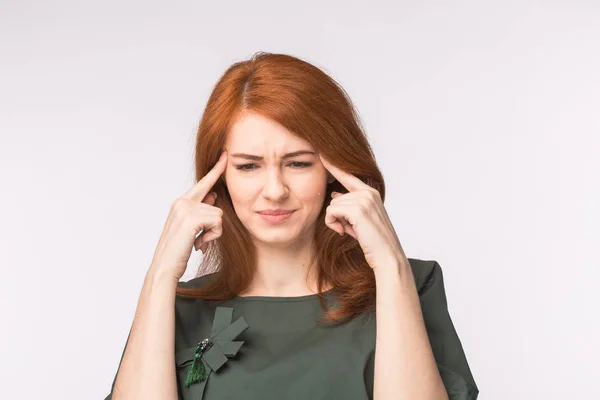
(405, 366)
(297, 183)
(405, 369)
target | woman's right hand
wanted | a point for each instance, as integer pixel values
(191, 213)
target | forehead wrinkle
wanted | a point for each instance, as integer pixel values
(278, 151)
(264, 138)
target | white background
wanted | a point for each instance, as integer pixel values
(484, 117)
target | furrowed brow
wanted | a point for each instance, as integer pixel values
(259, 158)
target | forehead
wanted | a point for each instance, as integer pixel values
(256, 134)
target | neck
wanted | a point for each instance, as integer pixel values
(283, 272)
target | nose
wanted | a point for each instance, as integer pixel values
(275, 188)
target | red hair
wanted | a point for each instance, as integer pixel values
(312, 105)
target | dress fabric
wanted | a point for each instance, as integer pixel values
(266, 348)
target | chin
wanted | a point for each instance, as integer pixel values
(275, 235)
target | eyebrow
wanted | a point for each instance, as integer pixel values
(258, 158)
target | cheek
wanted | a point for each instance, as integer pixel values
(238, 188)
(311, 189)
(308, 188)
(243, 193)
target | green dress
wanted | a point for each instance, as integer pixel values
(272, 348)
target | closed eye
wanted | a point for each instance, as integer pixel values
(294, 164)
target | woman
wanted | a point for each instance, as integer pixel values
(300, 261)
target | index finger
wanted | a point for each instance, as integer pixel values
(349, 181)
(200, 189)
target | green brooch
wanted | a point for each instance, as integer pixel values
(213, 352)
(197, 371)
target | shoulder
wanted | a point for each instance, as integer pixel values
(192, 314)
(185, 305)
(425, 272)
(190, 311)
(196, 282)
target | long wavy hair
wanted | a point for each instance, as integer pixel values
(310, 104)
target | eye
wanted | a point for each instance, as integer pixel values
(243, 167)
(301, 164)
(295, 164)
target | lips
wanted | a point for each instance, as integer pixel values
(277, 212)
(275, 217)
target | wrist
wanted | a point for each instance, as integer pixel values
(396, 270)
(158, 276)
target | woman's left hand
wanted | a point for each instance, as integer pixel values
(361, 214)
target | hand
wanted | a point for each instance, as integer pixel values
(191, 213)
(361, 214)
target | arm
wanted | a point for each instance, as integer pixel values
(147, 367)
(405, 367)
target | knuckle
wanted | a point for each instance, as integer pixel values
(179, 203)
(180, 207)
(377, 194)
(364, 205)
(372, 193)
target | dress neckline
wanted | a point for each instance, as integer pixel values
(276, 299)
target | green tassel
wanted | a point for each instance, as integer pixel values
(197, 371)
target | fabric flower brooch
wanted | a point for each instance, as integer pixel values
(213, 352)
